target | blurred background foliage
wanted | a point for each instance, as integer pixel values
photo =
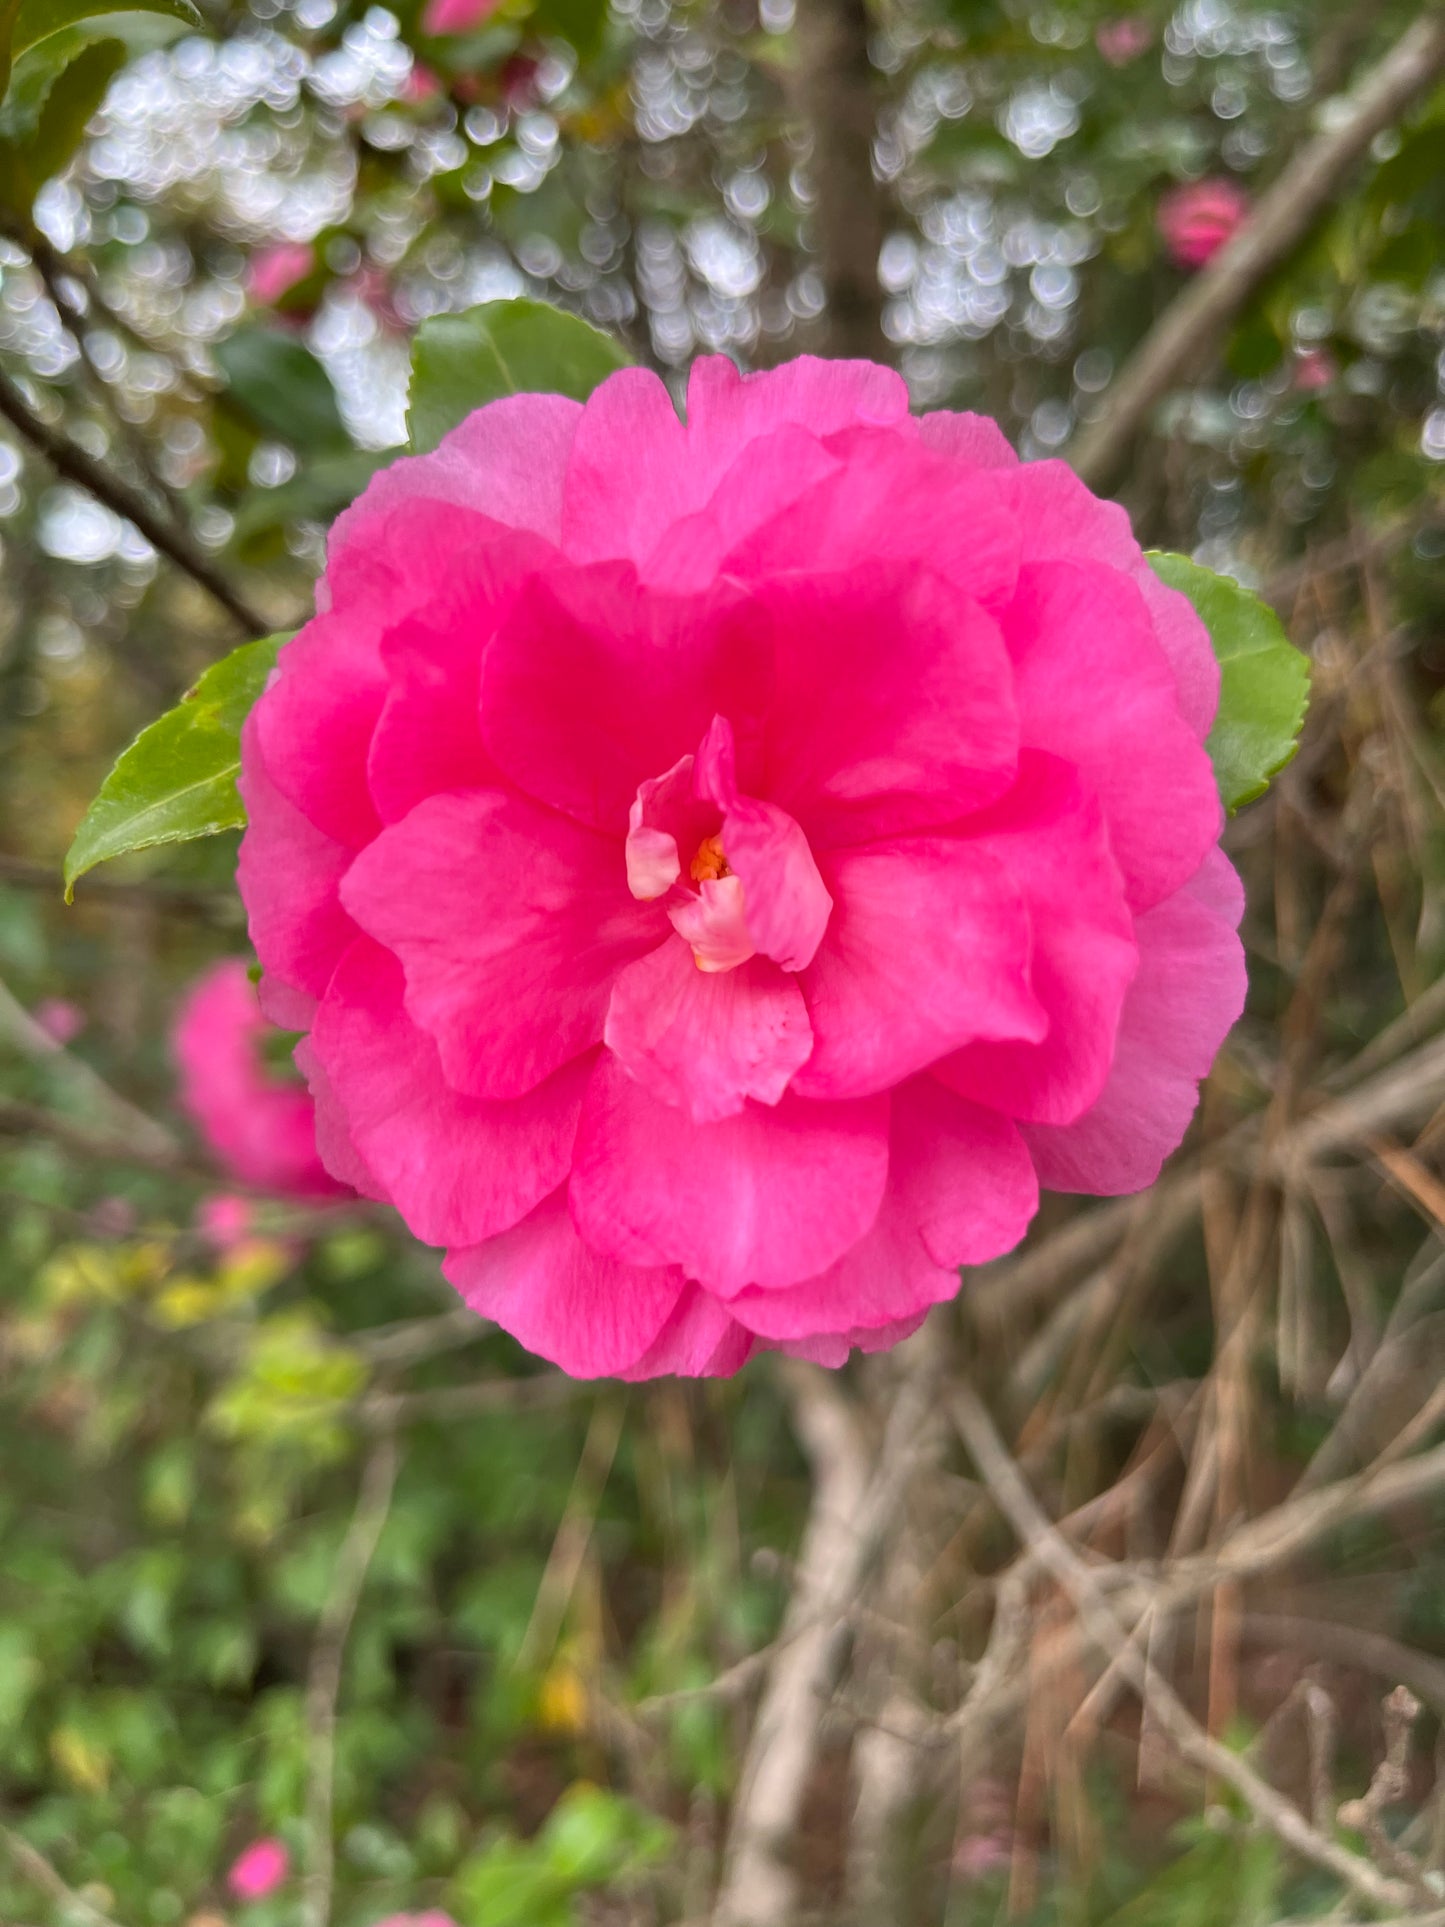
(290, 1549)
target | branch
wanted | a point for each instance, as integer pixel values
(39, 1872)
(73, 462)
(323, 1683)
(1198, 319)
(835, 91)
(1044, 1543)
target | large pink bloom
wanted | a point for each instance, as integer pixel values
(261, 1130)
(1198, 218)
(723, 867)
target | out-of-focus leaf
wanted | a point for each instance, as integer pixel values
(278, 384)
(1264, 680)
(460, 361)
(580, 22)
(70, 103)
(37, 20)
(315, 493)
(178, 778)
(9, 14)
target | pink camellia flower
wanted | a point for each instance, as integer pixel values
(260, 1869)
(1198, 218)
(456, 16)
(1123, 40)
(724, 867)
(273, 272)
(60, 1019)
(262, 1131)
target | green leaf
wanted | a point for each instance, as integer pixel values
(1264, 680)
(460, 361)
(178, 778)
(579, 21)
(69, 103)
(281, 387)
(36, 20)
(9, 15)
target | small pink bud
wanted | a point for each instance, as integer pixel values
(260, 1869)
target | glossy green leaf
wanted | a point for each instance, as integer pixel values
(178, 778)
(460, 361)
(280, 386)
(1264, 680)
(9, 14)
(37, 20)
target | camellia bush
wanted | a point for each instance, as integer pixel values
(720, 932)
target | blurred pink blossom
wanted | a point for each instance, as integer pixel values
(456, 16)
(225, 1219)
(1198, 218)
(421, 83)
(261, 1129)
(60, 1019)
(1314, 369)
(274, 271)
(260, 1869)
(1124, 39)
(432, 1918)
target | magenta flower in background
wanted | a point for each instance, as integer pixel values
(60, 1019)
(274, 271)
(225, 1220)
(432, 1918)
(260, 1869)
(1314, 369)
(261, 1130)
(725, 868)
(456, 16)
(1198, 218)
(1123, 40)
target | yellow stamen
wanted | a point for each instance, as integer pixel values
(709, 864)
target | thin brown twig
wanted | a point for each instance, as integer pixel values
(1047, 1545)
(323, 1681)
(77, 465)
(38, 1870)
(1196, 321)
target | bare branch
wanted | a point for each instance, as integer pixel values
(1196, 322)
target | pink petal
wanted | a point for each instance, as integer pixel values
(334, 1144)
(699, 1340)
(665, 822)
(726, 409)
(313, 725)
(961, 1190)
(289, 876)
(1081, 626)
(928, 947)
(712, 924)
(511, 924)
(506, 461)
(786, 902)
(590, 687)
(1049, 836)
(975, 439)
(894, 499)
(892, 705)
(766, 1197)
(1188, 993)
(588, 1314)
(458, 1169)
(706, 1041)
(1061, 520)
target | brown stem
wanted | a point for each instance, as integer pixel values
(1197, 321)
(73, 462)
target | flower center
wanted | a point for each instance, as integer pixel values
(710, 863)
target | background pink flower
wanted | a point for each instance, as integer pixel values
(819, 854)
(1198, 218)
(1314, 369)
(1124, 39)
(432, 1918)
(260, 1869)
(225, 1220)
(60, 1019)
(262, 1130)
(456, 16)
(273, 271)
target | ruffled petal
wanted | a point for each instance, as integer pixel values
(459, 1169)
(511, 924)
(699, 1340)
(1049, 837)
(706, 1041)
(766, 1197)
(1179, 1010)
(929, 946)
(961, 1190)
(588, 1314)
(893, 706)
